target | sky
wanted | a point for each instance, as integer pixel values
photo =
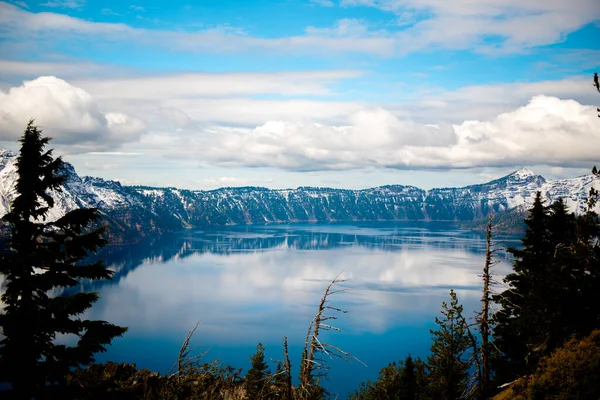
(288, 93)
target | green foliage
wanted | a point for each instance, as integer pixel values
(114, 381)
(124, 381)
(258, 376)
(44, 257)
(448, 364)
(282, 381)
(406, 380)
(554, 289)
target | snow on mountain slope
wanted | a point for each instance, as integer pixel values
(8, 179)
(134, 211)
(76, 192)
(574, 191)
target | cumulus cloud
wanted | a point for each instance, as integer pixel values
(483, 102)
(547, 130)
(305, 135)
(67, 113)
(192, 100)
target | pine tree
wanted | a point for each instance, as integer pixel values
(447, 363)
(517, 319)
(408, 380)
(422, 379)
(579, 261)
(258, 374)
(44, 256)
(552, 293)
(405, 380)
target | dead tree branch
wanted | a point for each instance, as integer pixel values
(313, 367)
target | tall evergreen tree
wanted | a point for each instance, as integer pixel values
(258, 374)
(408, 380)
(552, 292)
(448, 363)
(42, 257)
(516, 320)
(579, 261)
(422, 378)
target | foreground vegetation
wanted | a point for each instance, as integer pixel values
(538, 338)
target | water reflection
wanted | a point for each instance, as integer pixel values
(260, 283)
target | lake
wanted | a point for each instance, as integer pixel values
(259, 283)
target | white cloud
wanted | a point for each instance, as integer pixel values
(64, 3)
(21, 4)
(168, 113)
(16, 23)
(191, 100)
(108, 11)
(324, 3)
(483, 102)
(189, 123)
(422, 25)
(224, 181)
(547, 130)
(187, 100)
(352, 28)
(67, 113)
(218, 84)
(460, 24)
(10, 69)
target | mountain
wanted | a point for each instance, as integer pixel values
(134, 212)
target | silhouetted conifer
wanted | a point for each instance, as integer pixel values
(43, 258)
(448, 364)
(408, 380)
(553, 291)
(515, 321)
(258, 374)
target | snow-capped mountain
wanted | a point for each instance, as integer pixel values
(135, 211)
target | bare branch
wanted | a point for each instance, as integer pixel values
(312, 367)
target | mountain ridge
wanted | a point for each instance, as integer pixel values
(134, 212)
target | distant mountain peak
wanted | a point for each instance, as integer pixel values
(523, 173)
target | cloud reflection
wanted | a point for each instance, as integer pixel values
(267, 281)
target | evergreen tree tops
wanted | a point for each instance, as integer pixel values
(448, 364)
(554, 290)
(405, 380)
(258, 376)
(44, 256)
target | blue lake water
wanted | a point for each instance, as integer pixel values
(259, 283)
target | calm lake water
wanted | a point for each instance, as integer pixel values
(257, 284)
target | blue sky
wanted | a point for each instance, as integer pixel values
(344, 93)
